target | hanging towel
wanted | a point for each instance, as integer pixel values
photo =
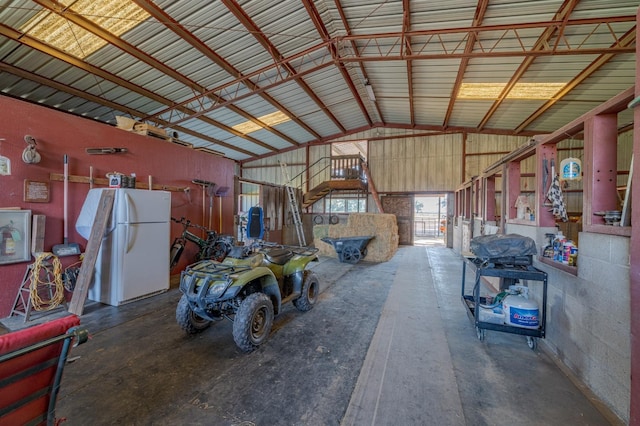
(557, 201)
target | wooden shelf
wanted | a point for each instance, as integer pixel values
(573, 270)
(59, 177)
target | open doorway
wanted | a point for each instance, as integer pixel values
(430, 219)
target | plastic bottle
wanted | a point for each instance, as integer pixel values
(566, 252)
(558, 246)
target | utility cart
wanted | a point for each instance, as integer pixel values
(349, 249)
(516, 321)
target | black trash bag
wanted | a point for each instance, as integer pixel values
(504, 249)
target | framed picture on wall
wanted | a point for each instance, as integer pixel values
(15, 236)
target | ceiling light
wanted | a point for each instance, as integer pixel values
(518, 91)
(115, 16)
(369, 88)
(268, 120)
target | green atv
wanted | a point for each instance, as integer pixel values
(248, 287)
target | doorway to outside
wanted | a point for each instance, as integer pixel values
(430, 219)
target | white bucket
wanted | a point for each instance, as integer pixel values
(521, 312)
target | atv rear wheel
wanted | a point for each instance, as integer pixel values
(188, 320)
(253, 321)
(310, 291)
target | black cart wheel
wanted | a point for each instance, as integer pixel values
(253, 321)
(310, 291)
(532, 343)
(188, 320)
(351, 254)
(480, 332)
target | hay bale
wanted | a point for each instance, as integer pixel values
(383, 227)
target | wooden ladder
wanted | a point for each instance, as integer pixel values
(293, 203)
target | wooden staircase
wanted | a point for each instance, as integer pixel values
(326, 187)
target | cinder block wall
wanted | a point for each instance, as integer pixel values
(590, 328)
(588, 315)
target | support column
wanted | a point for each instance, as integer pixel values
(510, 189)
(544, 155)
(490, 198)
(634, 250)
(600, 153)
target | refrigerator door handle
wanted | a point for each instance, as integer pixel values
(127, 207)
(127, 237)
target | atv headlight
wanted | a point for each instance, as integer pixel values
(216, 290)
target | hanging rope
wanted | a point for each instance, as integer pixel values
(41, 267)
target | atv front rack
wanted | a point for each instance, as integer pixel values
(214, 269)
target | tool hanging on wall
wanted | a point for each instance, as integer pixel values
(105, 150)
(221, 192)
(66, 248)
(211, 193)
(204, 184)
(30, 155)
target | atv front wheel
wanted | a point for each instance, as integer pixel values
(188, 320)
(310, 291)
(253, 321)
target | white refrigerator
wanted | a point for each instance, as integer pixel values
(133, 261)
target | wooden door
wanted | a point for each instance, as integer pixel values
(403, 207)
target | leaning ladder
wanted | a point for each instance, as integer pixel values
(293, 203)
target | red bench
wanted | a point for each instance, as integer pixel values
(31, 364)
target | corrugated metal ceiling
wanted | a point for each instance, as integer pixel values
(200, 68)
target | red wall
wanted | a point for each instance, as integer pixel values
(57, 134)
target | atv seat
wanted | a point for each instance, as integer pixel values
(279, 256)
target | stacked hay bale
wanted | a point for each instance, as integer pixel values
(383, 227)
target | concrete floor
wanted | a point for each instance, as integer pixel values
(386, 344)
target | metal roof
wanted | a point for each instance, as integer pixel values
(199, 68)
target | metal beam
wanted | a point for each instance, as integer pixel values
(143, 57)
(627, 39)
(319, 56)
(478, 17)
(562, 15)
(113, 105)
(173, 25)
(235, 8)
(324, 34)
(354, 48)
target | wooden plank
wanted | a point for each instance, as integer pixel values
(372, 187)
(91, 252)
(103, 181)
(37, 233)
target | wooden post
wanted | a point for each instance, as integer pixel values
(372, 187)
